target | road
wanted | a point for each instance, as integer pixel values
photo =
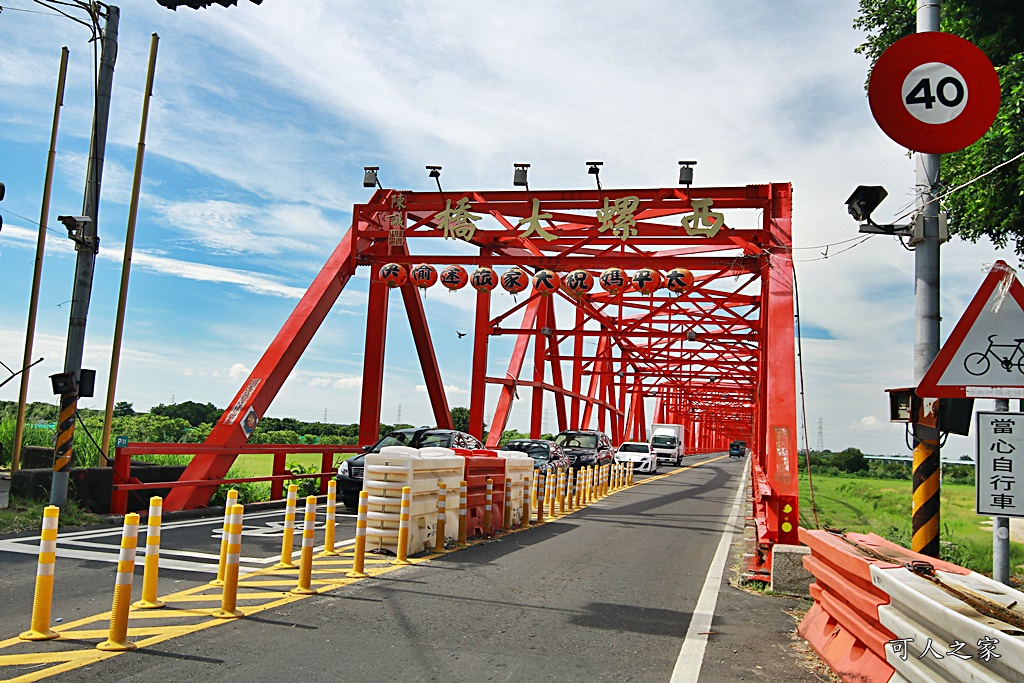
(622, 590)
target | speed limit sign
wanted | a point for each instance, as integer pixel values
(934, 93)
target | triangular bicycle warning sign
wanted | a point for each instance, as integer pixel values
(984, 355)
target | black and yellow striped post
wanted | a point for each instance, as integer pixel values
(63, 455)
(925, 522)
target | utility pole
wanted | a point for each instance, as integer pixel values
(86, 244)
(926, 330)
(37, 272)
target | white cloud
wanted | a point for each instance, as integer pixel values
(238, 372)
(449, 389)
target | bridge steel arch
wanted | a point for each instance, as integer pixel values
(718, 358)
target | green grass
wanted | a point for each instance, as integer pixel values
(884, 506)
(26, 515)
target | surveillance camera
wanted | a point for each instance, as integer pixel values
(864, 200)
(74, 223)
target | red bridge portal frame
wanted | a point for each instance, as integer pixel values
(717, 358)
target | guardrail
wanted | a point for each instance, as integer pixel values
(882, 612)
(124, 483)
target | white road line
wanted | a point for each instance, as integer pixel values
(691, 654)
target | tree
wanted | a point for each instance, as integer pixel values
(460, 418)
(123, 409)
(850, 460)
(195, 413)
(993, 205)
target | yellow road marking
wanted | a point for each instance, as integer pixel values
(203, 595)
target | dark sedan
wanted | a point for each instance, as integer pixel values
(547, 455)
(350, 472)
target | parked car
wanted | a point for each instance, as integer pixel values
(738, 449)
(639, 453)
(350, 472)
(547, 456)
(585, 447)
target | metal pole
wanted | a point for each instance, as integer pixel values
(126, 266)
(1001, 528)
(85, 262)
(33, 305)
(926, 330)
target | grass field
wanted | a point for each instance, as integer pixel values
(884, 506)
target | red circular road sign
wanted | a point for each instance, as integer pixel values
(934, 92)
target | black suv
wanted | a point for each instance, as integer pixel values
(350, 472)
(586, 447)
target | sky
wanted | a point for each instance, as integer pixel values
(263, 117)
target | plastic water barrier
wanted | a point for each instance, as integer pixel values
(884, 613)
(518, 468)
(942, 637)
(385, 475)
(482, 465)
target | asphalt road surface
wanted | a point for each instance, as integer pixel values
(622, 590)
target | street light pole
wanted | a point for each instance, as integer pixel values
(926, 330)
(84, 263)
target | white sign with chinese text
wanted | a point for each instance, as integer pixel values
(999, 477)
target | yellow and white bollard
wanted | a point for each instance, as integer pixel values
(529, 495)
(359, 553)
(542, 497)
(117, 638)
(561, 491)
(488, 505)
(442, 516)
(552, 492)
(287, 538)
(462, 512)
(150, 575)
(329, 519)
(42, 602)
(569, 491)
(232, 500)
(306, 557)
(629, 475)
(506, 508)
(403, 528)
(229, 596)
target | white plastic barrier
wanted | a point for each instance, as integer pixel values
(450, 469)
(970, 645)
(383, 478)
(518, 466)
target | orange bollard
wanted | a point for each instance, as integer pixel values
(117, 637)
(229, 596)
(150, 575)
(568, 489)
(359, 553)
(561, 491)
(42, 602)
(442, 516)
(403, 528)
(232, 500)
(506, 522)
(304, 586)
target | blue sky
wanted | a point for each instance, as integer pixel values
(264, 116)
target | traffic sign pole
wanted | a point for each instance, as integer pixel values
(927, 462)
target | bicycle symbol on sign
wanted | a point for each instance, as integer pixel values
(978, 363)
